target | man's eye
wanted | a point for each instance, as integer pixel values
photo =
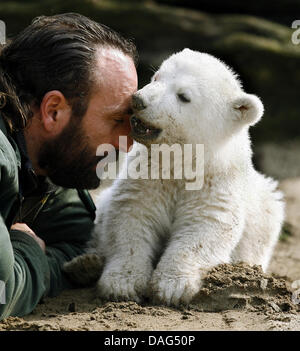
(119, 120)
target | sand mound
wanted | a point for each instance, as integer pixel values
(228, 290)
(240, 286)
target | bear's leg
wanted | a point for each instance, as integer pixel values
(261, 232)
(191, 252)
(85, 269)
(129, 260)
(131, 242)
(257, 245)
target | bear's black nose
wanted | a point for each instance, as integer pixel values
(138, 103)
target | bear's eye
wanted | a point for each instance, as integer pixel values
(183, 98)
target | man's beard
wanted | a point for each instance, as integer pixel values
(68, 159)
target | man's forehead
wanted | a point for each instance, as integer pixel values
(112, 62)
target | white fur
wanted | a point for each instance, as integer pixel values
(160, 239)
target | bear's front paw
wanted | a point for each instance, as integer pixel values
(84, 270)
(123, 285)
(170, 289)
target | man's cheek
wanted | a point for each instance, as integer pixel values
(124, 143)
(129, 143)
(126, 127)
(126, 132)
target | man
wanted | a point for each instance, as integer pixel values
(65, 88)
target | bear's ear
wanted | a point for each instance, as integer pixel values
(248, 109)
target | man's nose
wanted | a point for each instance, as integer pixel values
(138, 103)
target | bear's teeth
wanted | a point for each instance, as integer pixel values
(148, 131)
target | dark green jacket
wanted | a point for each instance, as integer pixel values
(63, 218)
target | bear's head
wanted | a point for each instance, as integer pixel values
(193, 98)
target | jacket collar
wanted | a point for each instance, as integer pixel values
(28, 178)
(5, 131)
(3, 126)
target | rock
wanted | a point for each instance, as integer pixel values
(264, 284)
(281, 10)
(72, 307)
(275, 307)
(259, 50)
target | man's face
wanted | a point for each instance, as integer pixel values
(70, 158)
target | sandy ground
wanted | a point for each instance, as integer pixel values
(233, 298)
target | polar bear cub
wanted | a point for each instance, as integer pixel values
(159, 239)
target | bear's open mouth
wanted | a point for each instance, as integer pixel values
(143, 130)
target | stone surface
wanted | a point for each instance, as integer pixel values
(259, 50)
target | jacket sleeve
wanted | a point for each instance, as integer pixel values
(24, 272)
(28, 274)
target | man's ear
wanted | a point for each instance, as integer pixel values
(248, 109)
(55, 112)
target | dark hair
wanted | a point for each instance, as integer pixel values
(53, 53)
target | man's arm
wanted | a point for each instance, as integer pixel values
(65, 225)
(23, 269)
(27, 272)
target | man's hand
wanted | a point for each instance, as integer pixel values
(24, 228)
